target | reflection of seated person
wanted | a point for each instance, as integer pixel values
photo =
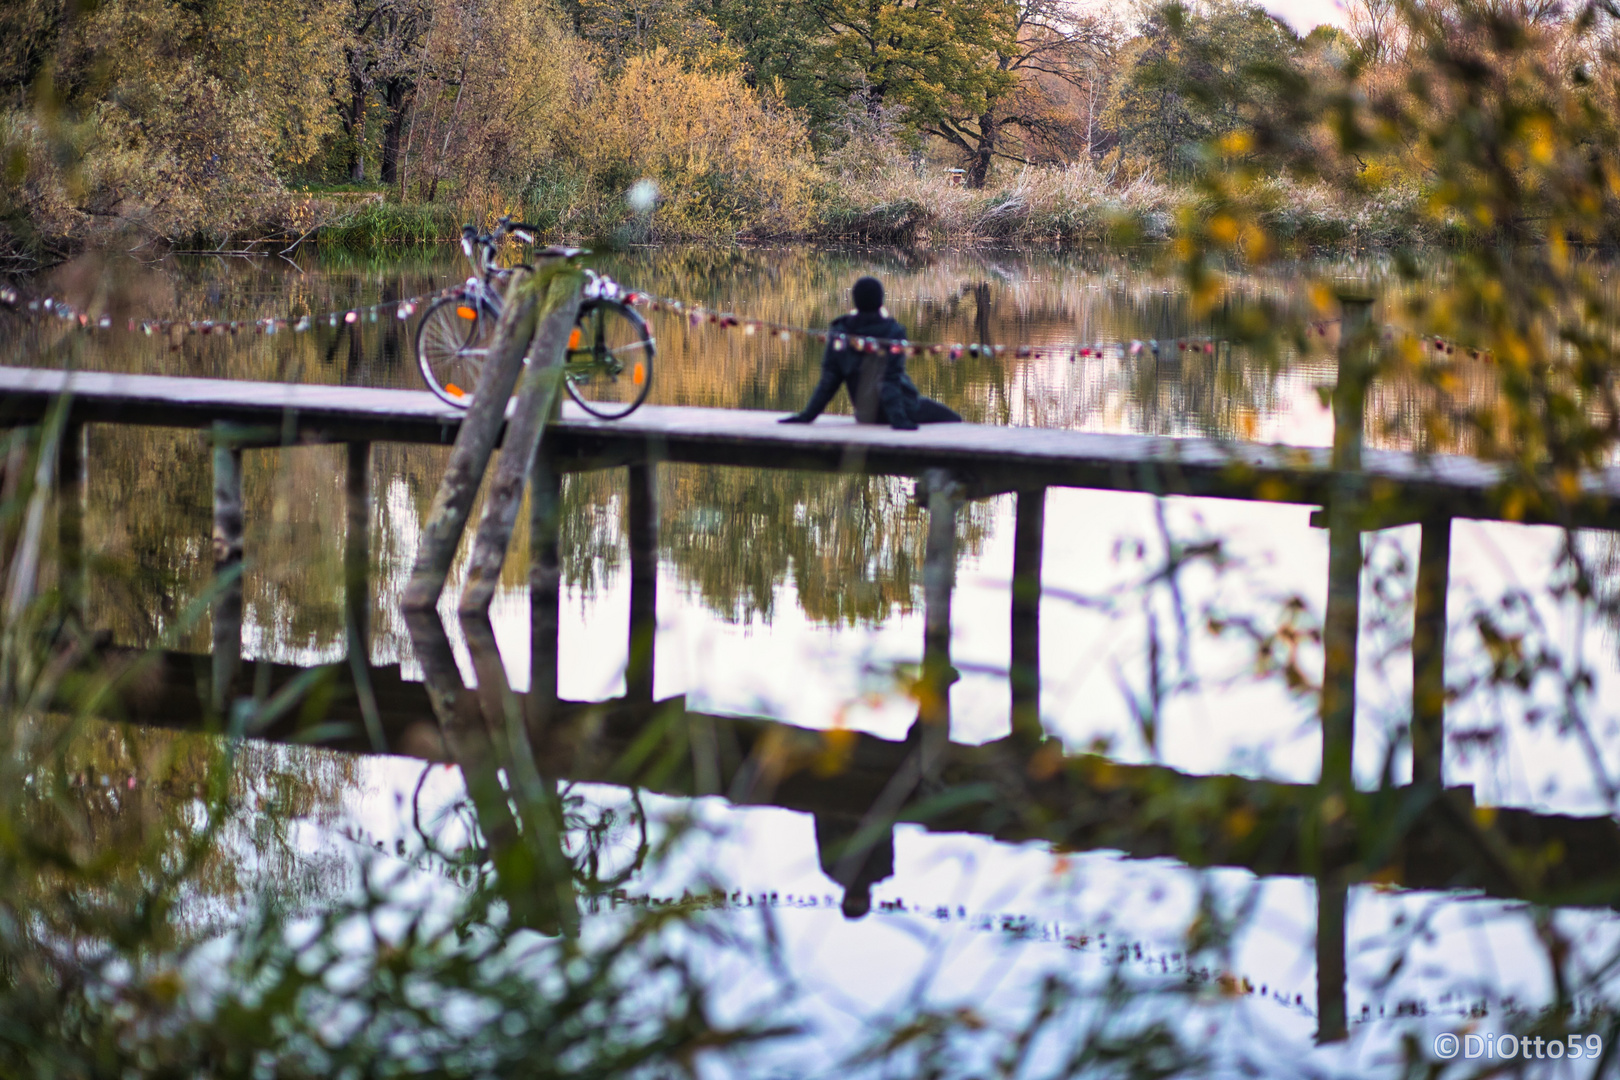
(900, 403)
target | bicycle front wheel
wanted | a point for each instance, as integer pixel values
(608, 367)
(452, 342)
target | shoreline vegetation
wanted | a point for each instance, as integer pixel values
(1051, 205)
(220, 124)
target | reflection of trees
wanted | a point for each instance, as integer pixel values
(147, 531)
(132, 800)
(852, 546)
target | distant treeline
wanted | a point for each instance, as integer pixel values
(206, 121)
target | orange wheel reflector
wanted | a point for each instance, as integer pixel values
(466, 312)
(574, 339)
(638, 374)
(454, 390)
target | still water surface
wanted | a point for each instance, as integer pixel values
(795, 596)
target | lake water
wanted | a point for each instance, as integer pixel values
(798, 597)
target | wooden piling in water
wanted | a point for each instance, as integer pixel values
(1342, 621)
(1331, 1021)
(945, 496)
(227, 606)
(556, 292)
(1024, 666)
(545, 593)
(638, 671)
(1429, 651)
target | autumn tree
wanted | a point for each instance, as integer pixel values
(1052, 52)
(616, 29)
(1191, 74)
(383, 48)
(470, 118)
(932, 58)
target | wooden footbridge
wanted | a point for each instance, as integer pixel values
(1419, 834)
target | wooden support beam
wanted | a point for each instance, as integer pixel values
(1341, 623)
(73, 585)
(475, 441)
(1024, 667)
(357, 552)
(558, 293)
(545, 593)
(227, 607)
(1331, 1025)
(638, 672)
(939, 582)
(1429, 652)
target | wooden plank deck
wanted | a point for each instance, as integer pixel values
(988, 458)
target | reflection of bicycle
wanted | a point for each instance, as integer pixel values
(607, 367)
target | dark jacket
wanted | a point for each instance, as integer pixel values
(842, 367)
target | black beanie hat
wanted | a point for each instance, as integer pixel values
(868, 294)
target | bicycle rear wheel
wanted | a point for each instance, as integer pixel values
(608, 366)
(452, 342)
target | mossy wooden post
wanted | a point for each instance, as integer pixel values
(545, 592)
(1429, 651)
(357, 587)
(1331, 1023)
(1024, 667)
(227, 608)
(474, 443)
(1341, 623)
(638, 671)
(70, 524)
(552, 295)
(945, 497)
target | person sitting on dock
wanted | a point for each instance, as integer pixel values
(897, 398)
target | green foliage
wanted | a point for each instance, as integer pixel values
(1189, 76)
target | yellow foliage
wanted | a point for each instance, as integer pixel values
(723, 155)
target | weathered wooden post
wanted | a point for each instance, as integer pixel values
(228, 524)
(1331, 1024)
(474, 443)
(1341, 622)
(357, 588)
(638, 671)
(70, 525)
(1429, 651)
(945, 497)
(553, 294)
(545, 592)
(1024, 668)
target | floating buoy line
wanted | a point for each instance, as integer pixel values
(695, 315)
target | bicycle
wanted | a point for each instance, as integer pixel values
(607, 366)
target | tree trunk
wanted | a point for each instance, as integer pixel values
(397, 94)
(354, 126)
(979, 164)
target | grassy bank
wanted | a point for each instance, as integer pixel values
(896, 206)
(1075, 205)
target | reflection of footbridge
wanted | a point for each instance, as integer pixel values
(1019, 788)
